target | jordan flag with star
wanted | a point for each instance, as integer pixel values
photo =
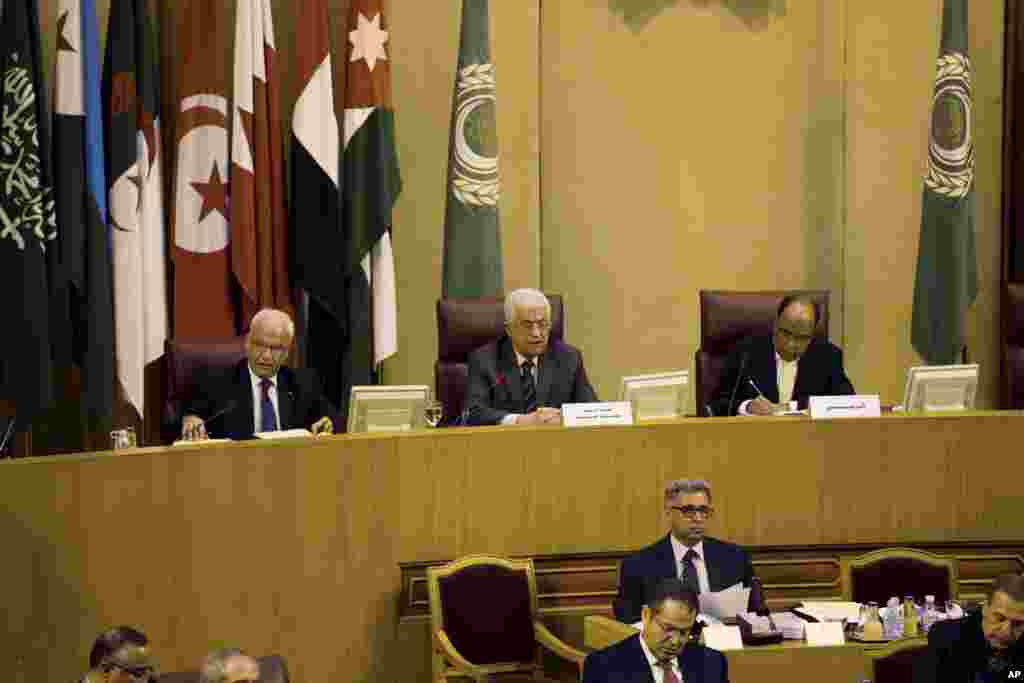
(258, 249)
(131, 113)
(203, 306)
(370, 188)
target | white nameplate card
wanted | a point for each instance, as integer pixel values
(284, 434)
(597, 414)
(824, 633)
(829, 407)
(722, 637)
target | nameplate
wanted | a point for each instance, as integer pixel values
(722, 637)
(824, 633)
(829, 407)
(597, 414)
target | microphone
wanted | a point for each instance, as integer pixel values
(758, 602)
(228, 407)
(736, 384)
(7, 435)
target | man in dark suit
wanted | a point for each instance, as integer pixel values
(521, 378)
(259, 394)
(763, 375)
(664, 652)
(980, 648)
(120, 655)
(701, 562)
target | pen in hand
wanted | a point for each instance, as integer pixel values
(753, 384)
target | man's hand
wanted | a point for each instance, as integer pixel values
(323, 426)
(762, 406)
(193, 428)
(541, 416)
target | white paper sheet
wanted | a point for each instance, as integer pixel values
(722, 637)
(831, 611)
(727, 603)
(284, 434)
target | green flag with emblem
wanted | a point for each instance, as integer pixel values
(472, 236)
(946, 283)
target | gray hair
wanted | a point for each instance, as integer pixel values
(525, 297)
(678, 486)
(215, 664)
(275, 318)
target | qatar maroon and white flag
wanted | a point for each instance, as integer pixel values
(203, 305)
(258, 231)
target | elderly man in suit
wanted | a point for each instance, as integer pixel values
(522, 378)
(702, 563)
(664, 652)
(260, 393)
(764, 374)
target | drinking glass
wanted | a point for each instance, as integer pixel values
(433, 411)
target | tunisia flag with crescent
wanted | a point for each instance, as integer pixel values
(203, 304)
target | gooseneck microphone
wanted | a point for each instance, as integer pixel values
(736, 384)
(228, 407)
(7, 436)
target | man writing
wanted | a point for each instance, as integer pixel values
(763, 375)
(522, 378)
(664, 651)
(260, 393)
(702, 563)
(983, 647)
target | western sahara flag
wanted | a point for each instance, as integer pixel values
(131, 113)
(315, 203)
(258, 233)
(472, 235)
(946, 281)
(27, 220)
(82, 206)
(372, 184)
(203, 304)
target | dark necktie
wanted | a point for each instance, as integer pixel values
(268, 421)
(669, 675)
(689, 573)
(529, 387)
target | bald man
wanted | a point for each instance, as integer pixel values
(260, 393)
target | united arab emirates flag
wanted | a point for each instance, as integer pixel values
(27, 220)
(134, 172)
(82, 207)
(472, 236)
(947, 274)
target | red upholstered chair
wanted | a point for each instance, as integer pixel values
(484, 623)
(726, 317)
(181, 359)
(464, 325)
(896, 662)
(881, 574)
(272, 670)
(1013, 346)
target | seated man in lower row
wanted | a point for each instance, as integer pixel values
(763, 374)
(521, 378)
(664, 652)
(229, 665)
(260, 393)
(120, 655)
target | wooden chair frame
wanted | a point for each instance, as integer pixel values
(922, 556)
(446, 660)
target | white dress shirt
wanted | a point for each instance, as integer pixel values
(257, 401)
(656, 670)
(679, 550)
(511, 418)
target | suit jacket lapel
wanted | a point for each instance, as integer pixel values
(510, 369)
(767, 373)
(244, 421)
(639, 661)
(667, 559)
(545, 373)
(285, 406)
(712, 565)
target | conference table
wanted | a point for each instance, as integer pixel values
(294, 547)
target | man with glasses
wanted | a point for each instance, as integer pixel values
(982, 647)
(522, 378)
(763, 375)
(664, 651)
(229, 665)
(120, 655)
(702, 563)
(260, 393)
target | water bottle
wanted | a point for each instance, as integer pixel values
(929, 613)
(909, 617)
(893, 623)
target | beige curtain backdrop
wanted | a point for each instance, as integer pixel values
(651, 148)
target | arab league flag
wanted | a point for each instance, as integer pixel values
(27, 221)
(372, 184)
(315, 203)
(203, 302)
(258, 231)
(947, 274)
(472, 237)
(134, 162)
(82, 207)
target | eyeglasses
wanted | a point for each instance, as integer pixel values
(274, 351)
(139, 673)
(692, 511)
(527, 325)
(799, 338)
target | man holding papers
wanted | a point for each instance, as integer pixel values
(702, 563)
(763, 374)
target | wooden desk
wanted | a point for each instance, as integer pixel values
(294, 548)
